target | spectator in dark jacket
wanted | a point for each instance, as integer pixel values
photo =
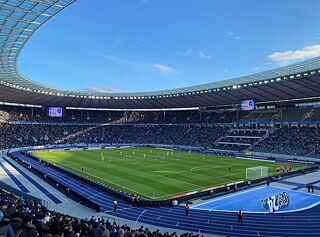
(28, 229)
(5, 228)
(41, 225)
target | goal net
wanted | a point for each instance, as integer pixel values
(257, 172)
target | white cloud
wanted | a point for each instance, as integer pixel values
(102, 89)
(163, 68)
(134, 64)
(286, 57)
(234, 35)
(119, 40)
(226, 70)
(204, 56)
(144, 1)
(120, 61)
(185, 53)
(189, 51)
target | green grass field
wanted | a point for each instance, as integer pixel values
(142, 171)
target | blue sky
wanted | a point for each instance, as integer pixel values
(150, 45)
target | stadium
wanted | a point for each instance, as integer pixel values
(180, 161)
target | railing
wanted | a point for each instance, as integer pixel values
(168, 202)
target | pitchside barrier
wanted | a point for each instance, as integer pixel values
(157, 203)
(53, 182)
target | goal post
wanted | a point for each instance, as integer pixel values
(257, 172)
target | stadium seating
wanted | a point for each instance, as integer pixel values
(220, 130)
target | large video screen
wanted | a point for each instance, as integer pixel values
(248, 105)
(55, 112)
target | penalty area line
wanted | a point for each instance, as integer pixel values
(99, 178)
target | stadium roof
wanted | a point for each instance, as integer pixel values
(19, 19)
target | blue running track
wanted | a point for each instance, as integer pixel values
(300, 223)
(250, 201)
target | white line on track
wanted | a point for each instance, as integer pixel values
(139, 216)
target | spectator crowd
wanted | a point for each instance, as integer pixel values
(21, 217)
(29, 126)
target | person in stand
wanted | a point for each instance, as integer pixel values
(186, 207)
(41, 225)
(311, 187)
(67, 191)
(44, 177)
(240, 215)
(133, 200)
(28, 229)
(268, 182)
(115, 203)
(137, 200)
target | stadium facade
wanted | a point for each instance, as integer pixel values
(21, 18)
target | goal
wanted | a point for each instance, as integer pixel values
(257, 172)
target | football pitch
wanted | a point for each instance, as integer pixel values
(155, 173)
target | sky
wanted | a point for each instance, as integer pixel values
(150, 45)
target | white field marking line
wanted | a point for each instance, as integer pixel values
(168, 195)
(230, 174)
(200, 168)
(220, 177)
(210, 167)
(134, 191)
(139, 217)
(179, 172)
(204, 167)
(180, 181)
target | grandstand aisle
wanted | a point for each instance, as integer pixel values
(66, 206)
